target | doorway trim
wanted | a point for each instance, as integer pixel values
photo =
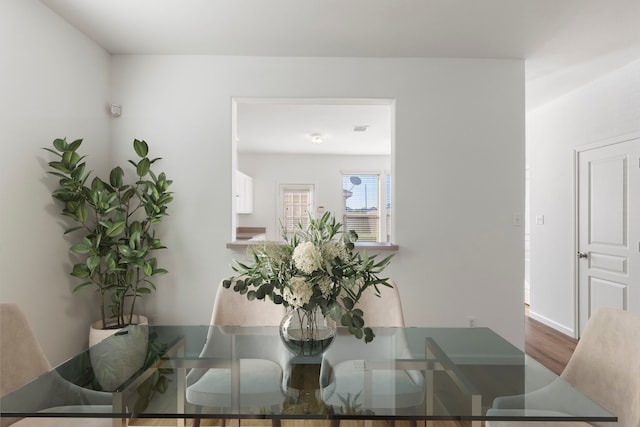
(235, 101)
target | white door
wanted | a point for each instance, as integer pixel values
(608, 246)
(295, 202)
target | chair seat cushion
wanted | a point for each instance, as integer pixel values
(391, 388)
(260, 385)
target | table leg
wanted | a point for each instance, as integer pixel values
(181, 387)
(117, 406)
(476, 409)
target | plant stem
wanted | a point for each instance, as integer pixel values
(104, 317)
(135, 294)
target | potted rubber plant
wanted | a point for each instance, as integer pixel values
(113, 222)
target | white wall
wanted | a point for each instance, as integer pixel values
(53, 83)
(459, 168)
(323, 171)
(606, 108)
(460, 147)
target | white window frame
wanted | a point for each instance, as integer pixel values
(384, 233)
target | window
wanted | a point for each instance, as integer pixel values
(296, 202)
(364, 209)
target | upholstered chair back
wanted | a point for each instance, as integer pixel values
(383, 311)
(231, 308)
(606, 363)
(22, 358)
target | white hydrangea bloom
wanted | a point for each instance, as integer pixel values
(332, 250)
(298, 293)
(305, 257)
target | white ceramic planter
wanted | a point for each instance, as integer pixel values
(121, 356)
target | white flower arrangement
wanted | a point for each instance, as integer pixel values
(316, 267)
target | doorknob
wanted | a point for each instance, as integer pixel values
(583, 255)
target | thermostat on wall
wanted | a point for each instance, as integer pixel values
(116, 110)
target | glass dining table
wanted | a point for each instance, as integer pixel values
(405, 374)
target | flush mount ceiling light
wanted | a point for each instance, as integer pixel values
(316, 138)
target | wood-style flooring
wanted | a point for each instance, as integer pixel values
(548, 346)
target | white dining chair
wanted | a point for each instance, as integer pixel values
(262, 357)
(343, 374)
(605, 367)
(22, 360)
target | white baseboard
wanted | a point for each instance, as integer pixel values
(552, 324)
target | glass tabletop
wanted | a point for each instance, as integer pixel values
(246, 372)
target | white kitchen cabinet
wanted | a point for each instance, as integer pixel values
(244, 193)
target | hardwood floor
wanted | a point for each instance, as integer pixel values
(548, 346)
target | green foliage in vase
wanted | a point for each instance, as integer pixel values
(316, 266)
(114, 222)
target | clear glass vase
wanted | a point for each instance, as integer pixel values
(307, 332)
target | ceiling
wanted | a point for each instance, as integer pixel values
(556, 38)
(346, 127)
